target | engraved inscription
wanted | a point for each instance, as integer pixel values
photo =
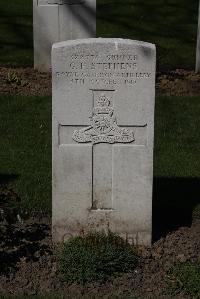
(59, 2)
(104, 128)
(116, 69)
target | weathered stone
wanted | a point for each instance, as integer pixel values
(59, 20)
(198, 45)
(103, 127)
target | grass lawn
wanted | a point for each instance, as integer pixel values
(16, 33)
(25, 152)
(177, 139)
(170, 24)
(176, 163)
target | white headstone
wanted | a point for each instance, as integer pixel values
(60, 20)
(198, 45)
(103, 127)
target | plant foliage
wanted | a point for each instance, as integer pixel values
(185, 278)
(95, 256)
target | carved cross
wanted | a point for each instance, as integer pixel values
(103, 135)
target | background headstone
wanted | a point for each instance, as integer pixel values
(198, 45)
(103, 127)
(60, 20)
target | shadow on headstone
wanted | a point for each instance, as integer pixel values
(60, 22)
(174, 200)
(43, 43)
(83, 15)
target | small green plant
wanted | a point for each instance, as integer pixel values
(95, 256)
(12, 78)
(185, 278)
(196, 212)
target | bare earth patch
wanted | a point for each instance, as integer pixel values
(28, 264)
(24, 81)
(178, 83)
(30, 82)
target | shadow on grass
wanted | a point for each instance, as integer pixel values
(16, 33)
(7, 178)
(168, 24)
(17, 241)
(174, 200)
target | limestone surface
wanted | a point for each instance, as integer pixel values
(60, 20)
(103, 128)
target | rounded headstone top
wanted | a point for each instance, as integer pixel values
(100, 40)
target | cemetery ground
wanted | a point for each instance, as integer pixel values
(28, 259)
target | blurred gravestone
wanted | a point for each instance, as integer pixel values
(103, 127)
(60, 20)
(198, 45)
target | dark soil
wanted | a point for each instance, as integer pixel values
(26, 81)
(178, 83)
(28, 264)
(30, 82)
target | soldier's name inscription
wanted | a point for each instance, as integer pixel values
(107, 69)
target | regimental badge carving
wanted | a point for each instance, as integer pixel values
(104, 128)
